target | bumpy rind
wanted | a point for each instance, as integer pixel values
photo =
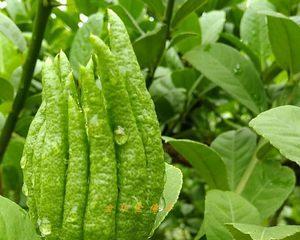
(77, 174)
(63, 67)
(36, 160)
(99, 220)
(54, 158)
(143, 109)
(27, 160)
(131, 221)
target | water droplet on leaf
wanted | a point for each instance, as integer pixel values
(120, 135)
(162, 204)
(237, 69)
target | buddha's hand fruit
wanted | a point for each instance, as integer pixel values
(93, 160)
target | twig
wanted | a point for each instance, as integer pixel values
(168, 16)
(39, 26)
(167, 22)
(176, 157)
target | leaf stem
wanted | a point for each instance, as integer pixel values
(43, 12)
(189, 104)
(250, 168)
(242, 184)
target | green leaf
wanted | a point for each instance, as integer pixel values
(284, 6)
(16, 10)
(296, 19)
(130, 23)
(171, 193)
(269, 186)
(172, 60)
(156, 7)
(88, 6)
(14, 222)
(81, 48)
(232, 71)
(254, 29)
(182, 36)
(5, 107)
(34, 101)
(185, 78)
(154, 41)
(284, 36)
(10, 57)
(187, 8)
(281, 126)
(23, 125)
(189, 24)
(253, 232)
(11, 170)
(227, 3)
(226, 207)
(6, 90)
(205, 160)
(212, 24)
(241, 46)
(134, 7)
(9, 29)
(2, 121)
(60, 38)
(70, 19)
(236, 149)
(169, 100)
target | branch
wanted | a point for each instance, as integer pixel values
(176, 157)
(39, 26)
(168, 16)
(167, 21)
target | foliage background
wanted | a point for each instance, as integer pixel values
(249, 70)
